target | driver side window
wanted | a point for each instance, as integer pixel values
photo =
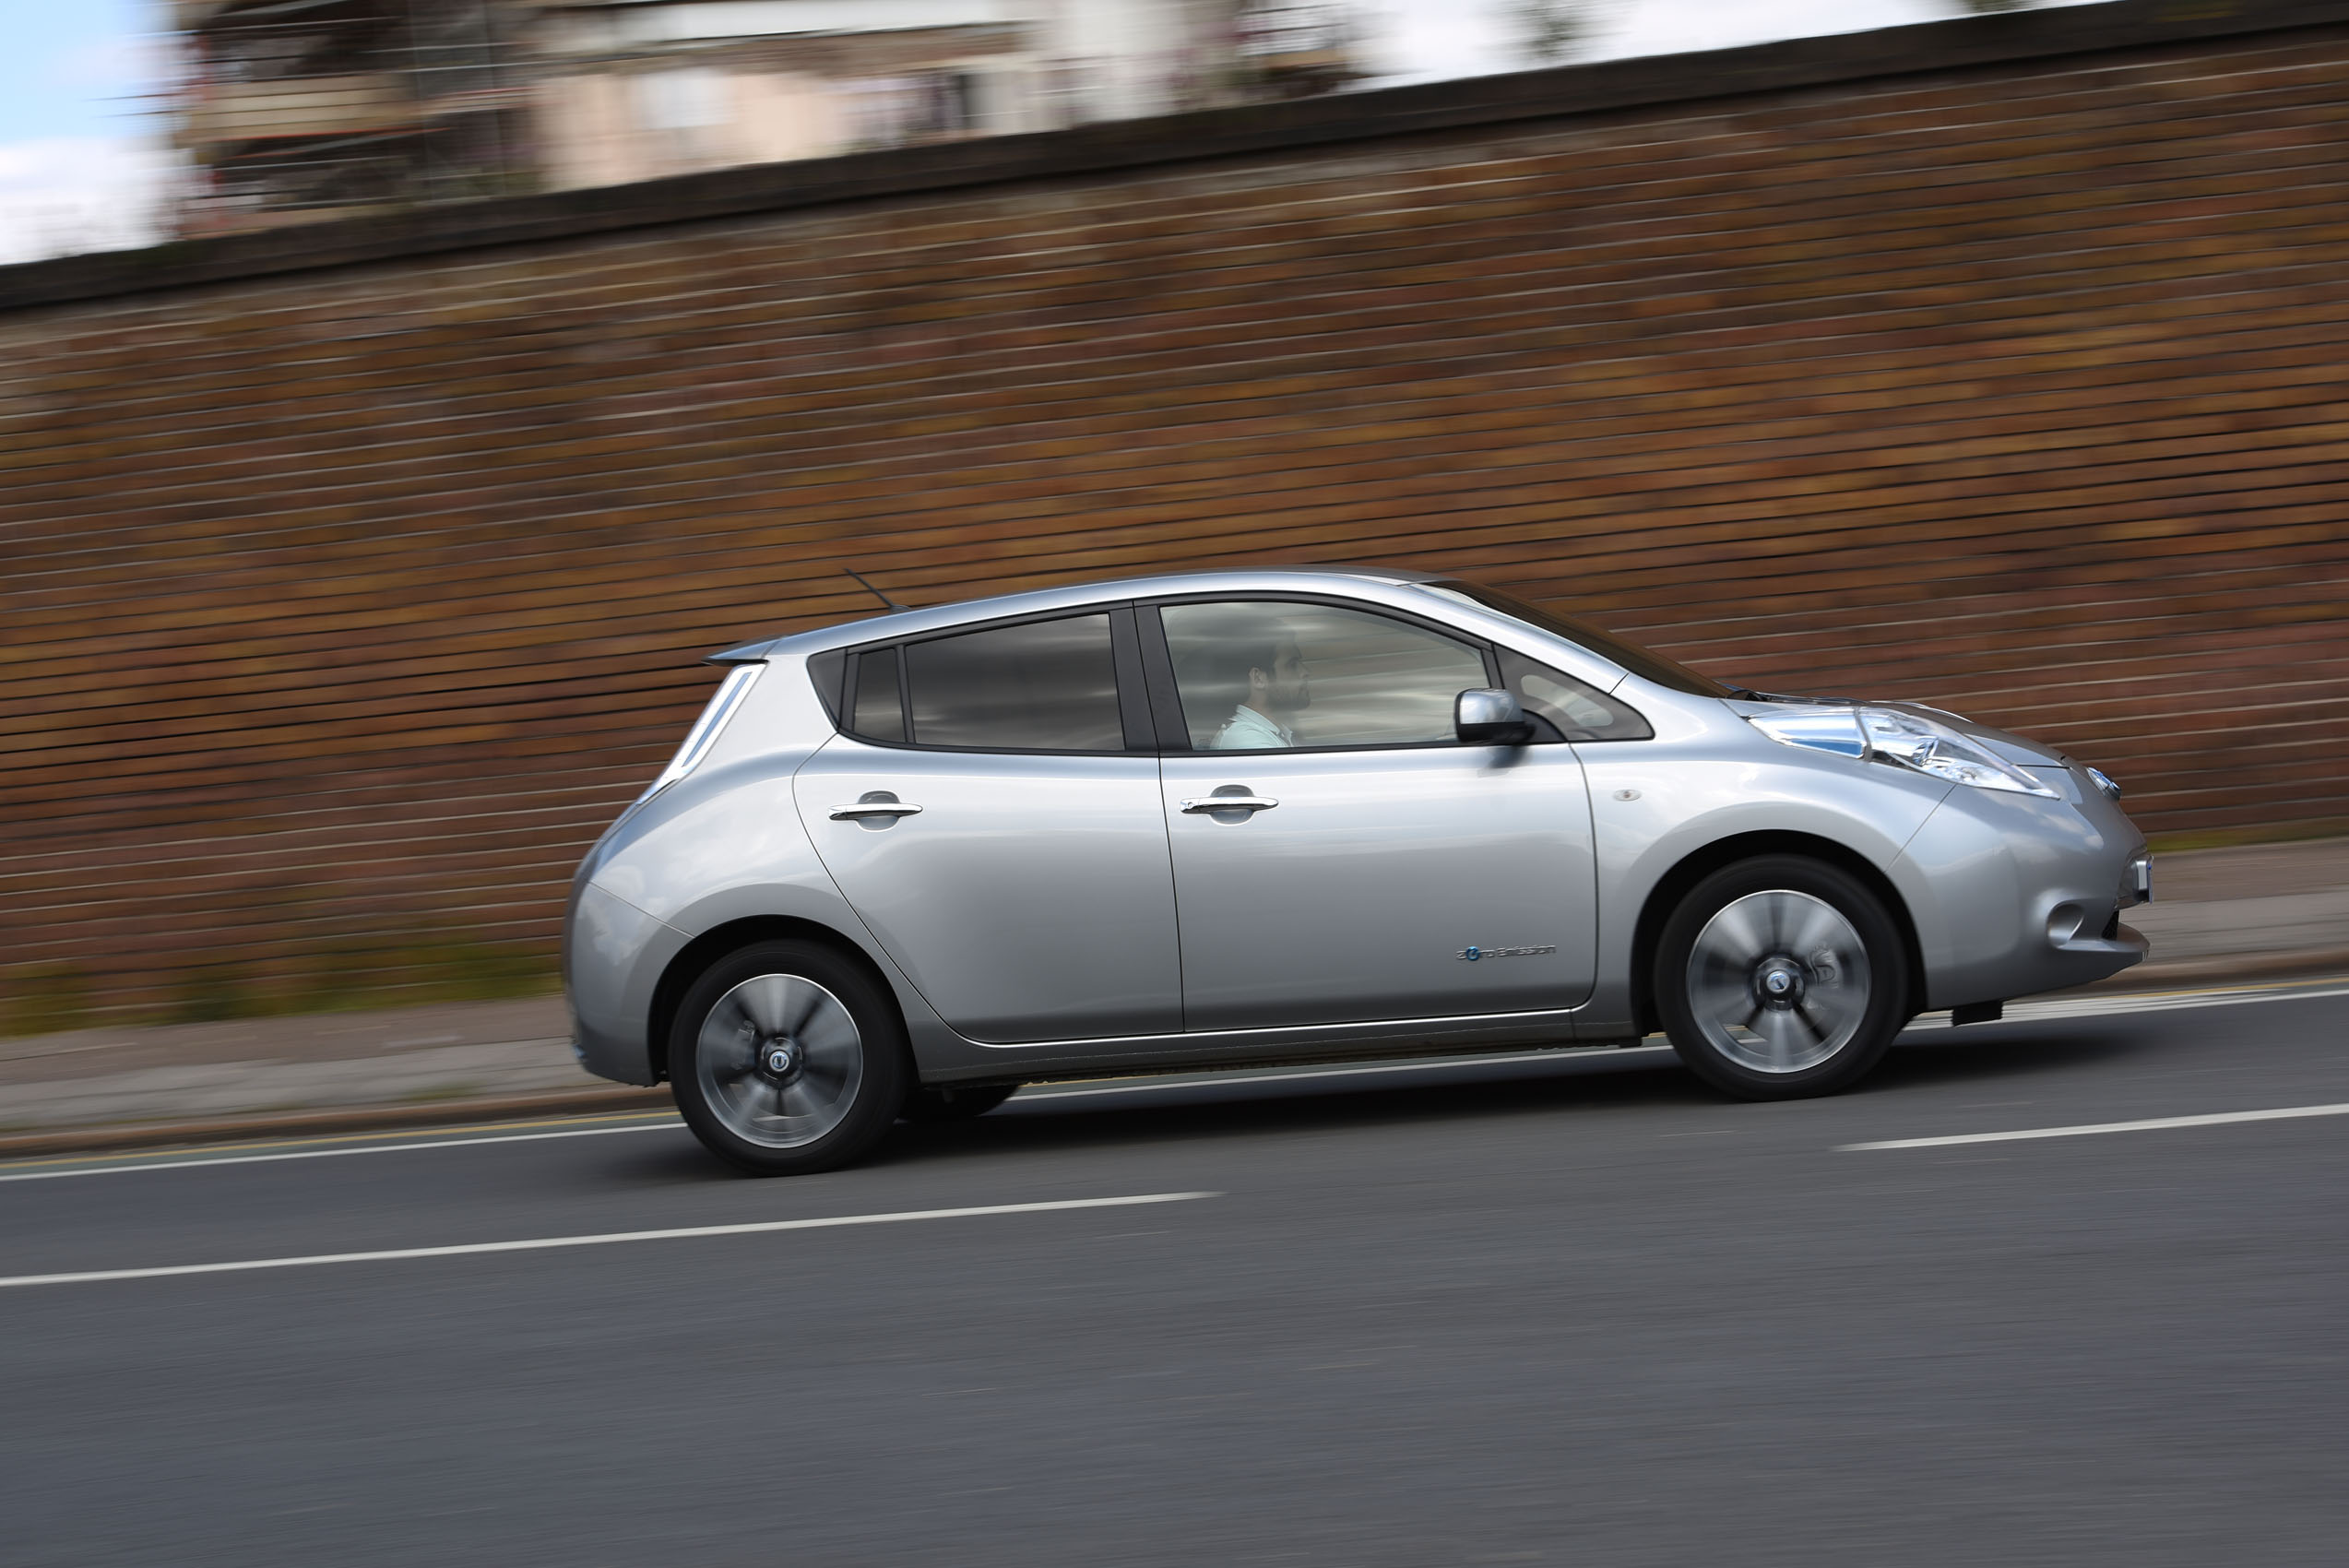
(1262, 675)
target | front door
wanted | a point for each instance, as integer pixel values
(1369, 867)
(987, 830)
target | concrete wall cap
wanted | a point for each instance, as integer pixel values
(1557, 93)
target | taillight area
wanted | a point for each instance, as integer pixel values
(708, 727)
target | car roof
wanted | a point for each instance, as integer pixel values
(944, 617)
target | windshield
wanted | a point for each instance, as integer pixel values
(1640, 661)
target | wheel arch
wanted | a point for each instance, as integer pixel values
(1694, 868)
(714, 944)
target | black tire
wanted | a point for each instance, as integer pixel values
(948, 1103)
(832, 1037)
(1822, 966)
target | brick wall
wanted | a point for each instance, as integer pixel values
(345, 603)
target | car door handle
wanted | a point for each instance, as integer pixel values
(873, 808)
(1231, 804)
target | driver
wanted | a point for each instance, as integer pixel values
(1274, 686)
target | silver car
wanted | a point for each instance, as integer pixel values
(901, 866)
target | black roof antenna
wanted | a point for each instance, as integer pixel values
(875, 591)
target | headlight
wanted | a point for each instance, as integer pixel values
(2104, 781)
(1822, 729)
(1900, 737)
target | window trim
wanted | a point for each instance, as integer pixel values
(1134, 700)
(852, 690)
(1173, 735)
(1149, 701)
(828, 672)
(1166, 699)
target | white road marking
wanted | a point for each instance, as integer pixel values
(668, 1125)
(2151, 1125)
(2028, 1012)
(2022, 1012)
(548, 1242)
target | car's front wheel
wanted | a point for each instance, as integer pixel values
(1780, 976)
(786, 1058)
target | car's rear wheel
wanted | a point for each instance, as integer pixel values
(949, 1103)
(1780, 976)
(786, 1058)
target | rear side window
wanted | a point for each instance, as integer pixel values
(1043, 686)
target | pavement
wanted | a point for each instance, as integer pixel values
(2219, 916)
(408, 1065)
(2060, 1290)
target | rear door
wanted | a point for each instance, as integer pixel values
(992, 813)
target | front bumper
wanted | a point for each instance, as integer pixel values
(2013, 896)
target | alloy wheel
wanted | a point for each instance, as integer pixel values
(779, 1061)
(1778, 982)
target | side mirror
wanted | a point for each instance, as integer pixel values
(1487, 716)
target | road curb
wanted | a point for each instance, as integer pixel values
(310, 1123)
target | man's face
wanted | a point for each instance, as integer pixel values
(1287, 688)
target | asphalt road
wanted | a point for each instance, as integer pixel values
(1577, 1311)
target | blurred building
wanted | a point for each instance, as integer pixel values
(295, 109)
(303, 109)
(1294, 49)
